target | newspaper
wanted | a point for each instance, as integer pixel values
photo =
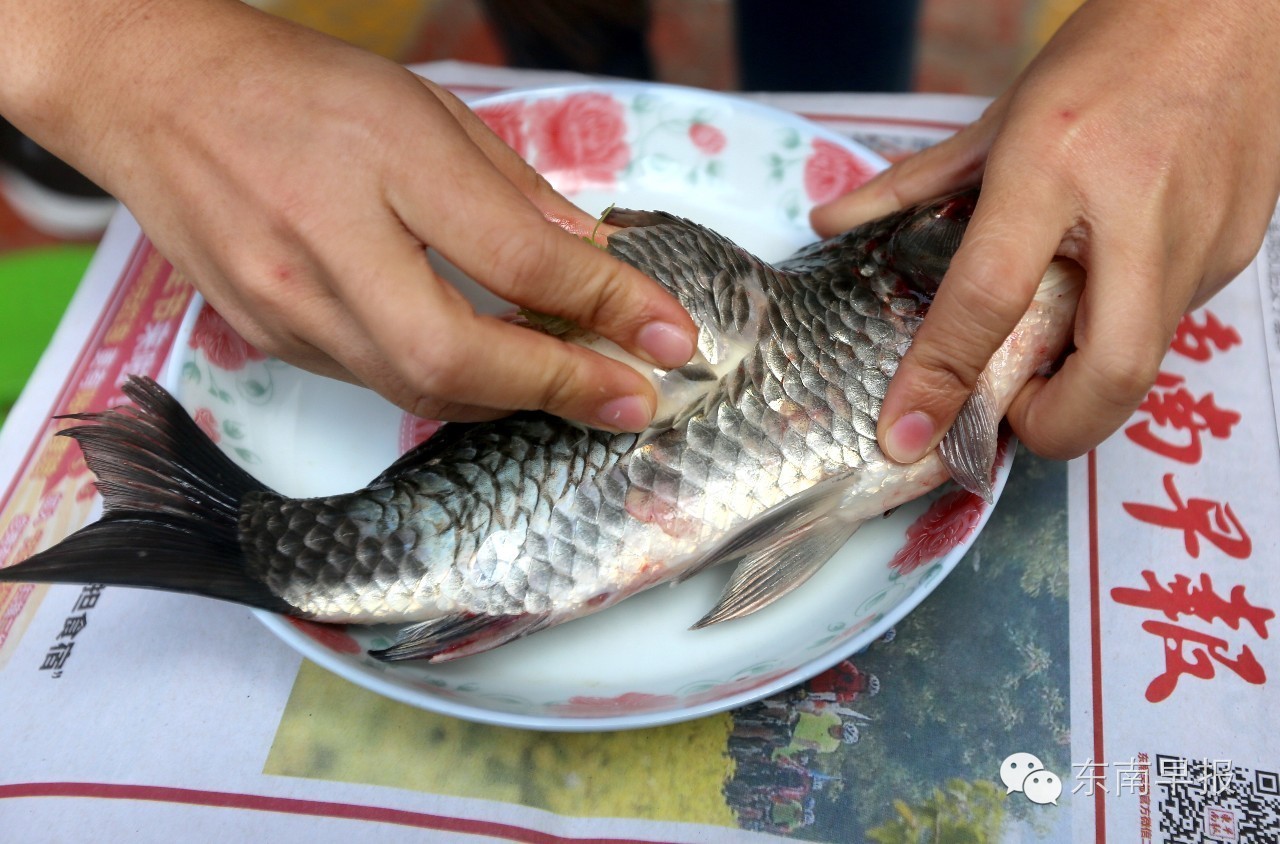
(1097, 667)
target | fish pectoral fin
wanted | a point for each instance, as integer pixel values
(459, 635)
(779, 567)
(969, 449)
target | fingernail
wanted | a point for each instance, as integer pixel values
(629, 413)
(668, 345)
(909, 438)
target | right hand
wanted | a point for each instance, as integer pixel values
(297, 180)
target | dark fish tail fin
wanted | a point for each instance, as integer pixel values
(171, 502)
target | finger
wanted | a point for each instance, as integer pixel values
(305, 325)
(434, 353)
(493, 233)
(553, 205)
(992, 278)
(950, 165)
(1122, 334)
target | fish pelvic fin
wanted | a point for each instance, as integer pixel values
(459, 635)
(778, 568)
(171, 502)
(780, 549)
(969, 448)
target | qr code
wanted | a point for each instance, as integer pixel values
(1205, 801)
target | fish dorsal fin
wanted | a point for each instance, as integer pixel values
(969, 448)
(438, 444)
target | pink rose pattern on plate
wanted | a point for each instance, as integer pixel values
(947, 523)
(507, 122)
(580, 141)
(204, 418)
(220, 343)
(227, 377)
(414, 430)
(707, 138)
(831, 171)
(332, 636)
(583, 706)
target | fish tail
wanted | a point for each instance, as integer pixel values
(171, 507)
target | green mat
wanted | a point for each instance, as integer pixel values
(37, 285)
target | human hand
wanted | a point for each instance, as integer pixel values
(1141, 143)
(296, 181)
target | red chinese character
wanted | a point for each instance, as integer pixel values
(1197, 517)
(1179, 409)
(1193, 340)
(1180, 598)
(1205, 650)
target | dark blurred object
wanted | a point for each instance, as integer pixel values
(828, 45)
(20, 153)
(607, 37)
(47, 193)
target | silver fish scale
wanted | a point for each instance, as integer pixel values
(533, 515)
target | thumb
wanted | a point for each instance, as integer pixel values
(990, 284)
(948, 166)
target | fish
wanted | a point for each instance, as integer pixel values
(762, 456)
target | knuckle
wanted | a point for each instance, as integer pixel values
(559, 389)
(438, 372)
(605, 295)
(1122, 380)
(518, 264)
(946, 372)
(981, 288)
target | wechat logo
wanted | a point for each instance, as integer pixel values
(1026, 773)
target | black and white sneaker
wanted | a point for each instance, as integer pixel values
(47, 193)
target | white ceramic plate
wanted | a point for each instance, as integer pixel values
(748, 171)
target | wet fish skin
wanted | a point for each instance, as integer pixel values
(766, 458)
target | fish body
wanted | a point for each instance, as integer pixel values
(763, 455)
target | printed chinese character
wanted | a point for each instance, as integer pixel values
(1091, 776)
(1220, 824)
(48, 506)
(1170, 405)
(1131, 778)
(1216, 776)
(1172, 770)
(1197, 517)
(1198, 340)
(1180, 598)
(89, 597)
(56, 658)
(150, 346)
(73, 625)
(1205, 650)
(99, 366)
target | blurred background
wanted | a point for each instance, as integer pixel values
(49, 223)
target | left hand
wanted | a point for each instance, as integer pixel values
(1144, 143)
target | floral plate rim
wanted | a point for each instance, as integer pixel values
(400, 688)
